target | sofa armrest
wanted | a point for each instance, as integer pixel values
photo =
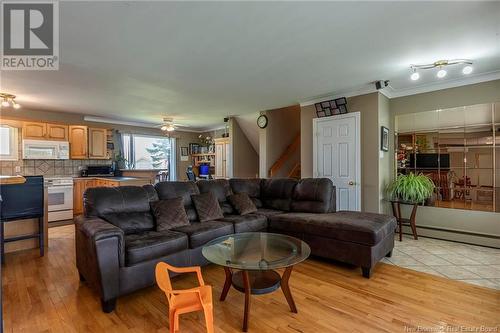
(100, 252)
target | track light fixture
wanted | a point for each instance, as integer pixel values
(8, 100)
(441, 64)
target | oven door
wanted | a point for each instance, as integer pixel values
(60, 198)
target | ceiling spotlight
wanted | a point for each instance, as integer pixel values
(441, 73)
(441, 64)
(467, 70)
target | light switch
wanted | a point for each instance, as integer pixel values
(17, 169)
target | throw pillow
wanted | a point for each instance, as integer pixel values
(242, 203)
(207, 206)
(169, 213)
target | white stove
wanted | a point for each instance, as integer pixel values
(59, 198)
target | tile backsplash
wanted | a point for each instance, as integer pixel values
(47, 167)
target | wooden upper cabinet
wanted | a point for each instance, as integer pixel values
(78, 142)
(57, 132)
(98, 143)
(34, 131)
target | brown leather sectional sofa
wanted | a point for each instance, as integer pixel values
(117, 245)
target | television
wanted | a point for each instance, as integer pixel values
(430, 161)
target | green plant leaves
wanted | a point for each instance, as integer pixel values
(411, 187)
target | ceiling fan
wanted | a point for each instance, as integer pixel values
(168, 125)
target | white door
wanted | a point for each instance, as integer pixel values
(219, 160)
(337, 155)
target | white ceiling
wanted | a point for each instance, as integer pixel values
(198, 62)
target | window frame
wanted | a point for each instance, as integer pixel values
(14, 144)
(131, 165)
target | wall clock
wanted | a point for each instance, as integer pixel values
(262, 121)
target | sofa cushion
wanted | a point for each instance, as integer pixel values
(131, 222)
(247, 223)
(207, 207)
(200, 233)
(99, 201)
(153, 244)
(314, 195)
(248, 186)
(268, 212)
(277, 193)
(357, 227)
(242, 203)
(221, 189)
(169, 213)
(171, 190)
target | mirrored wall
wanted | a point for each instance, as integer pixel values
(459, 149)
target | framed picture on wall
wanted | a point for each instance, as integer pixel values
(184, 151)
(384, 138)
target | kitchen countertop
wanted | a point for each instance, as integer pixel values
(5, 180)
(116, 179)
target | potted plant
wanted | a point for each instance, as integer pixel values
(411, 188)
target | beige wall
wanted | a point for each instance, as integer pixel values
(463, 221)
(385, 162)
(486, 92)
(245, 158)
(283, 126)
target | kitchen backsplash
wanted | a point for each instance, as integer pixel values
(47, 167)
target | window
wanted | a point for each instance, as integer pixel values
(144, 152)
(8, 143)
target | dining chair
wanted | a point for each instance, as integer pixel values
(185, 300)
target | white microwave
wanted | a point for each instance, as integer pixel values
(45, 150)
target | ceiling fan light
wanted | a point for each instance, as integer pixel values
(5, 102)
(170, 128)
(467, 70)
(164, 128)
(415, 76)
(441, 73)
(16, 106)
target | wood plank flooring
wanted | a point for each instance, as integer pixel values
(45, 295)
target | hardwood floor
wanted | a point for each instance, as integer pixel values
(45, 295)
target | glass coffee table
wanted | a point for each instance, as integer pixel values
(250, 259)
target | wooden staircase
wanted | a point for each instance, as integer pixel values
(287, 154)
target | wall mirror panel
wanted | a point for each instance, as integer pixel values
(459, 149)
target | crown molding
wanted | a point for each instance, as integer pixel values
(390, 92)
(367, 89)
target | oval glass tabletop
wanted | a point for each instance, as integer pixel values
(256, 251)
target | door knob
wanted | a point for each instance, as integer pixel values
(351, 182)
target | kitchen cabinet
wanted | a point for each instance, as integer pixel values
(79, 187)
(78, 142)
(44, 131)
(57, 132)
(34, 130)
(98, 143)
(223, 159)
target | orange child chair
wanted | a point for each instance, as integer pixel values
(188, 300)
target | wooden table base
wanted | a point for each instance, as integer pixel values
(257, 283)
